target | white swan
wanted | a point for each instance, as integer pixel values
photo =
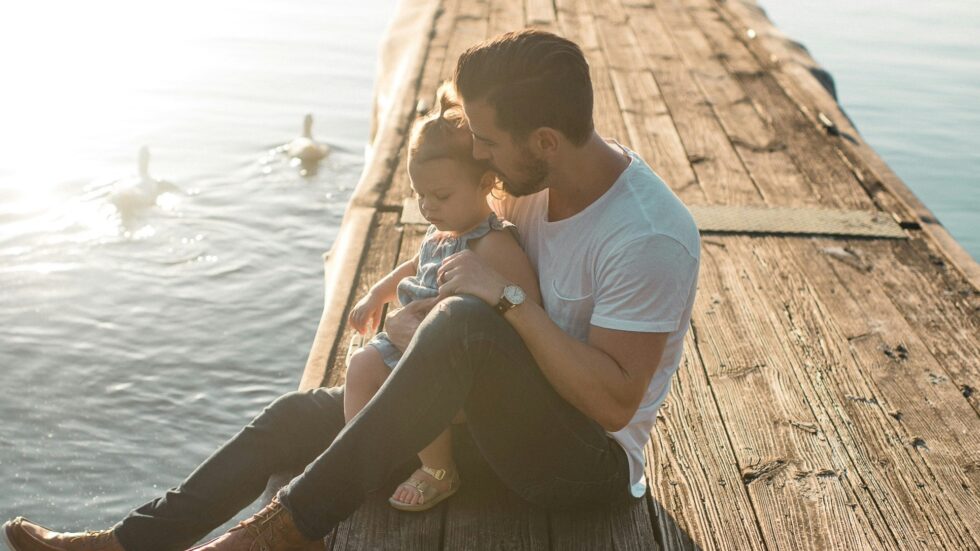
(305, 148)
(140, 192)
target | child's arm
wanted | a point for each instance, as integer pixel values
(504, 254)
(386, 289)
(366, 314)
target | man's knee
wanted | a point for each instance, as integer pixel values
(288, 407)
(466, 313)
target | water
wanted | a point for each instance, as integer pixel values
(908, 74)
(130, 349)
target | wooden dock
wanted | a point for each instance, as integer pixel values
(827, 398)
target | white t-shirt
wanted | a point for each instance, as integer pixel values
(629, 261)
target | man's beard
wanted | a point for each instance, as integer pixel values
(534, 172)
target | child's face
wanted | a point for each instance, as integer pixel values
(447, 194)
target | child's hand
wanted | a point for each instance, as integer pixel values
(366, 314)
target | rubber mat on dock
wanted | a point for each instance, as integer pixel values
(766, 220)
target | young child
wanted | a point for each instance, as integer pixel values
(451, 189)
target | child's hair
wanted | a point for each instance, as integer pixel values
(442, 134)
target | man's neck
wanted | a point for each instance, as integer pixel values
(584, 174)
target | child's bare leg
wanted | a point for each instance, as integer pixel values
(365, 375)
(437, 455)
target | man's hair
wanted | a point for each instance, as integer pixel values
(531, 78)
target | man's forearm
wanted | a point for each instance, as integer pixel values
(585, 376)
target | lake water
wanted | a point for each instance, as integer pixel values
(131, 348)
(908, 75)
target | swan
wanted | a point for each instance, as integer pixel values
(305, 148)
(140, 192)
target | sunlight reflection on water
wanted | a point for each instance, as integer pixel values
(142, 327)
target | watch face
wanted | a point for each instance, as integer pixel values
(514, 294)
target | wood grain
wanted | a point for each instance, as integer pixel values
(827, 393)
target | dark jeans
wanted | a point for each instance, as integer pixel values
(463, 356)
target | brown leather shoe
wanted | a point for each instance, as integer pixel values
(24, 535)
(271, 529)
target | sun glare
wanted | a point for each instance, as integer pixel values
(72, 69)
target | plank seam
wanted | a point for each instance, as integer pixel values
(731, 444)
(916, 458)
(365, 196)
(611, 82)
(733, 141)
(794, 354)
(697, 80)
(603, 48)
(918, 463)
(937, 234)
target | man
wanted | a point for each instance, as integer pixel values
(559, 399)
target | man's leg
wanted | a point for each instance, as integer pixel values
(537, 443)
(287, 435)
(465, 356)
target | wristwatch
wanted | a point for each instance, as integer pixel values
(513, 296)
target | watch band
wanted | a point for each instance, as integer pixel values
(503, 305)
(512, 296)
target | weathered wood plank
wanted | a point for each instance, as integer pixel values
(376, 525)
(472, 24)
(437, 68)
(792, 465)
(717, 166)
(792, 68)
(577, 23)
(505, 16)
(484, 515)
(440, 63)
(668, 39)
(541, 14)
(942, 307)
(673, 27)
(378, 259)
(836, 379)
(806, 143)
(412, 235)
(699, 501)
(906, 381)
(651, 130)
(622, 527)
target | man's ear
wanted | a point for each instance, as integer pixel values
(545, 140)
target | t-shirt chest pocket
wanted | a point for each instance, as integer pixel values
(569, 303)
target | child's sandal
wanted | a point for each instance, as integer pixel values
(431, 496)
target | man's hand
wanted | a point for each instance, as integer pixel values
(401, 324)
(466, 273)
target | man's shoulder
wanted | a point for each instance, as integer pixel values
(646, 209)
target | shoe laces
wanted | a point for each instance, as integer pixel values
(93, 538)
(259, 526)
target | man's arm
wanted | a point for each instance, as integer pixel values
(605, 378)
